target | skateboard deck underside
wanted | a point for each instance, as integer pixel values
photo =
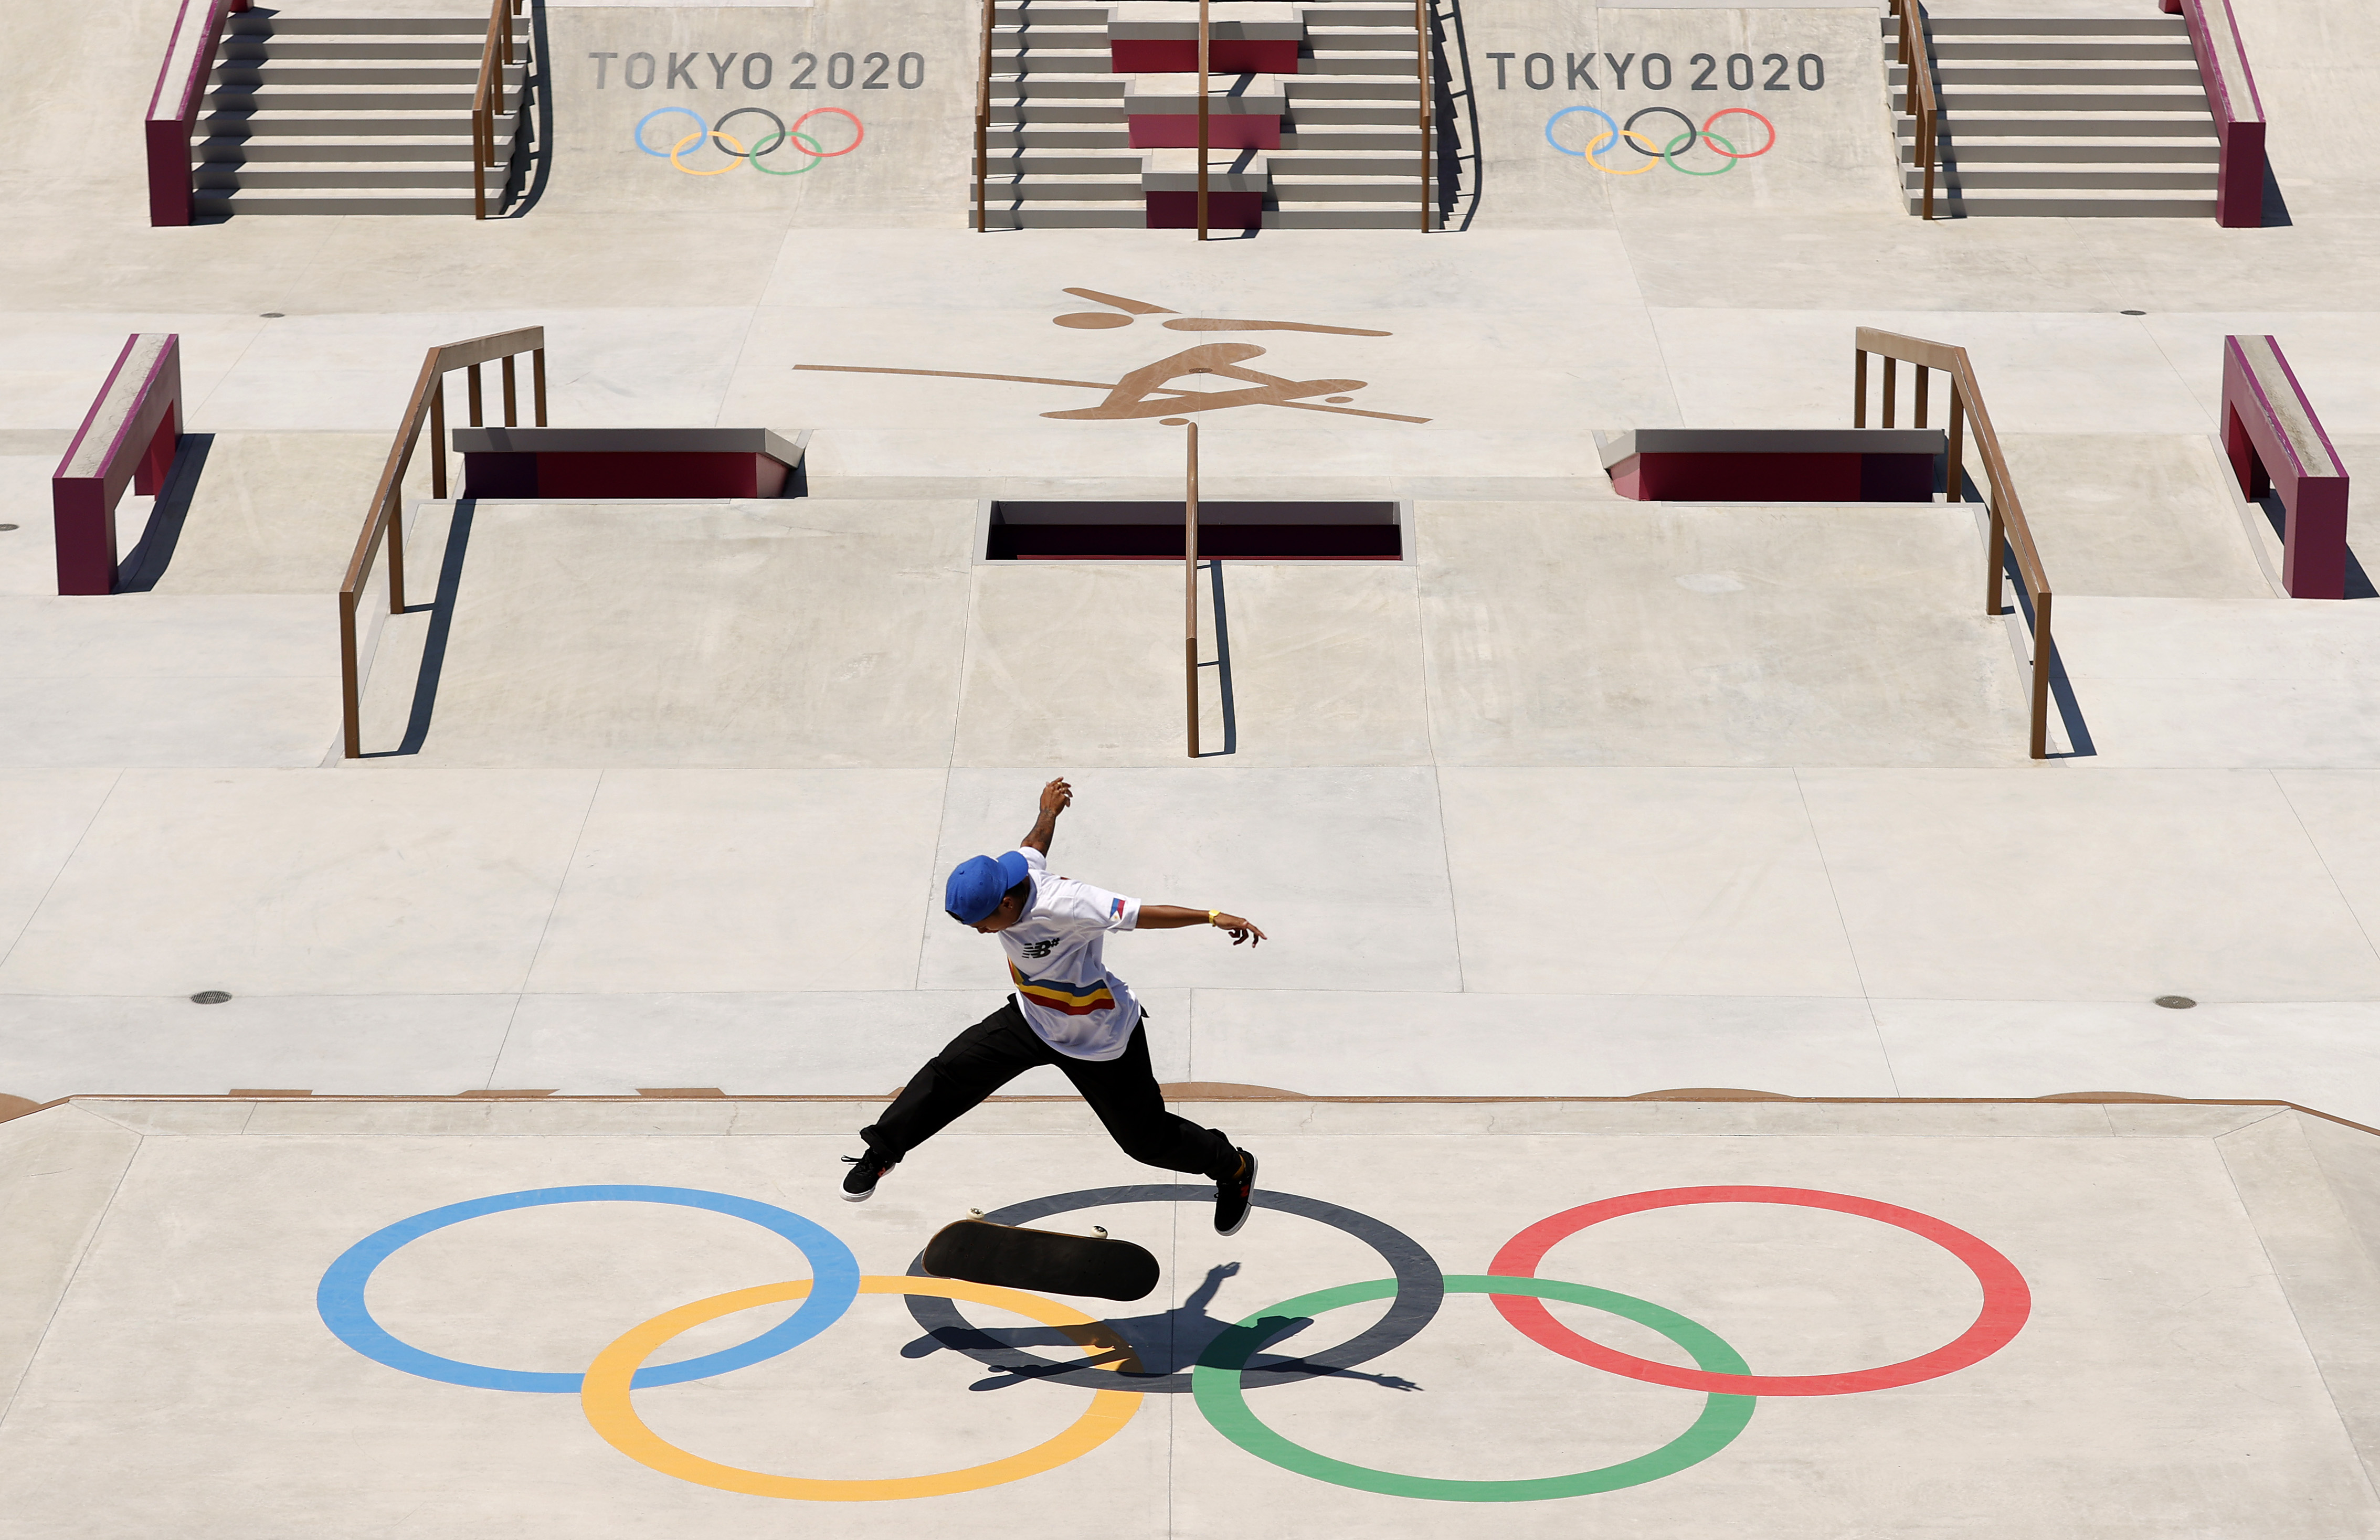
(1044, 1261)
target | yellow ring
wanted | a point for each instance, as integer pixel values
(680, 146)
(1630, 133)
(604, 1396)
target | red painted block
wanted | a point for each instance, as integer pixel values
(658, 476)
(1776, 478)
(2276, 444)
(1225, 56)
(1225, 211)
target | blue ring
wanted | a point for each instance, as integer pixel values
(1591, 150)
(340, 1296)
(700, 127)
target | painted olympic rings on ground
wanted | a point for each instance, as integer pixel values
(1222, 1373)
(1656, 151)
(1419, 1289)
(610, 1413)
(339, 1298)
(1226, 1405)
(734, 147)
(2007, 1300)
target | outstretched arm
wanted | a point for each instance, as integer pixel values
(1055, 796)
(1171, 917)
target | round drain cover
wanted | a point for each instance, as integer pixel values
(209, 996)
(2176, 1002)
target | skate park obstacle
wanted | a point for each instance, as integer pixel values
(173, 107)
(383, 521)
(2275, 444)
(2239, 112)
(2010, 541)
(127, 438)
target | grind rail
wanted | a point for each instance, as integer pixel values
(2011, 536)
(384, 519)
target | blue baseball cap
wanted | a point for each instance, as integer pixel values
(979, 882)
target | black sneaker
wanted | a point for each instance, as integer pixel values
(859, 1182)
(1232, 1196)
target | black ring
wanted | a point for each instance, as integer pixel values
(1691, 132)
(780, 131)
(1421, 1288)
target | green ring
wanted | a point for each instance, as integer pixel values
(1215, 1382)
(1668, 154)
(753, 156)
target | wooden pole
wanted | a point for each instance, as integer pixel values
(1421, 67)
(438, 440)
(1954, 473)
(1859, 387)
(1190, 586)
(983, 115)
(1204, 39)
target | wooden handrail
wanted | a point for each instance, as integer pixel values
(488, 102)
(1205, 41)
(983, 115)
(1190, 583)
(2010, 532)
(1917, 69)
(382, 520)
(1421, 69)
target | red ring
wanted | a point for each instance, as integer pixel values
(858, 133)
(2007, 1300)
(1746, 154)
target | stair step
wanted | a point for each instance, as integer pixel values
(1068, 216)
(251, 75)
(283, 152)
(445, 99)
(1947, 75)
(239, 126)
(2046, 26)
(2051, 49)
(1350, 216)
(280, 200)
(1052, 164)
(2097, 205)
(2116, 177)
(2052, 100)
(361, 175)
(2097, 151)
(359, 50)
(261, 24)
(2067, 125)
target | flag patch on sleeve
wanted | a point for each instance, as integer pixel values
(1115, 909)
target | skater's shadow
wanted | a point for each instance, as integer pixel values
(1165, 1343)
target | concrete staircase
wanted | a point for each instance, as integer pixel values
(351, 116)
(1349, 152)
(2063, 116)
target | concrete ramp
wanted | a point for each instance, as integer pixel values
(270, 1319)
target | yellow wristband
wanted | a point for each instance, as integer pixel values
(1214, 916)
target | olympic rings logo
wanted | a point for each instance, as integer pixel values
(1224, 1370)
(733, 149)
(1656, 152)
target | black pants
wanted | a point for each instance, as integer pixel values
(1121, 1090)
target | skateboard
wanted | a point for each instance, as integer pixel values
(1046, 1261)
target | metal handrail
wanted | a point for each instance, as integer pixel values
(1422, 71)
(983, 115)
(2010, 532)
(426, 408)
(1917, 70)
(488, 102)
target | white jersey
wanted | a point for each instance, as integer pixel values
(1069, 999)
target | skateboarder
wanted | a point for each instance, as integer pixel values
(1068, 1010)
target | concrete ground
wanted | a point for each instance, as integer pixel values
(1583, 798)
(2157, 1324)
